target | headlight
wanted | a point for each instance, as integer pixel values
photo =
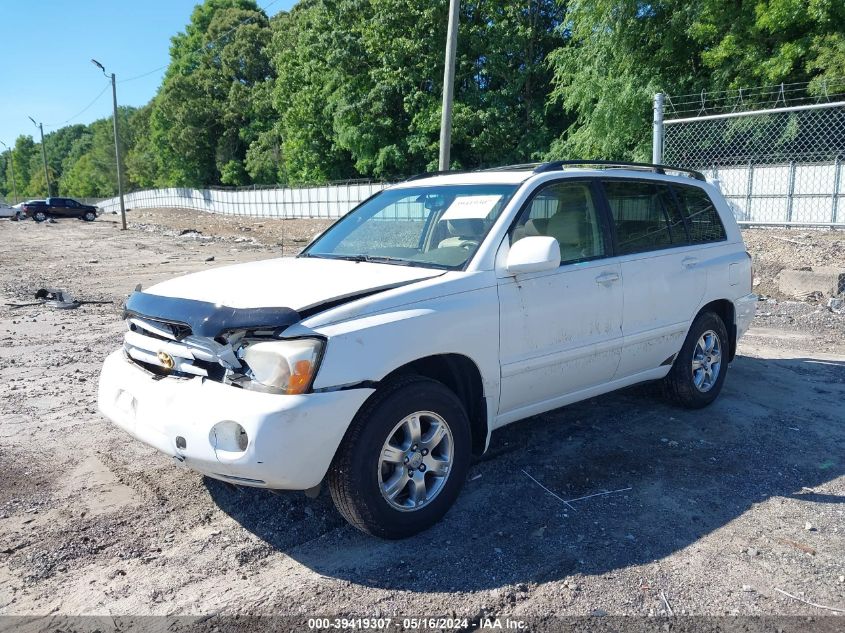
(283, 366)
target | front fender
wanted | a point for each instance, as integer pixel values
(368, 348)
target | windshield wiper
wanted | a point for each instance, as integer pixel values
(379, 259)
(373, 259)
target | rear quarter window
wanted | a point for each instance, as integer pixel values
(703, 219)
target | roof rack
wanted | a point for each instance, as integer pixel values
(518, 167)
(612, 164)
(431, 174)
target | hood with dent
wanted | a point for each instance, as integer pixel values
(296, 283)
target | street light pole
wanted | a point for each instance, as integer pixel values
(12, 168)
(40, 126)
(116, 143)
(449, 85)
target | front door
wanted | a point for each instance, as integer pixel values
(561, 330)
(71, 208)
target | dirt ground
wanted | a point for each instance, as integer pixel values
(721, 508)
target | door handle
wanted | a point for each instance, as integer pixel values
(690, 262)
(607, 278)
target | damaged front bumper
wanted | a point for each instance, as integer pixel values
(235, 435)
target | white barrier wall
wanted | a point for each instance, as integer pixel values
(328, 201)
(764, 194)
(785, 194)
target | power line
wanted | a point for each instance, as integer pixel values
(154, 70)
(81, 112)
(146, 74)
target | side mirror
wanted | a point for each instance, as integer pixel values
(533, 255)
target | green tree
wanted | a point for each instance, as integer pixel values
(5, 181)
(620, 52)
(340, 89)
(59, 143)
(766, 42)
(89, 168)
(22, 158)
(360, 82)
(199, 128)
(303, 97)
(141, 166)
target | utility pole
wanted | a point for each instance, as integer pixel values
(657, 131)
(449, 85)
(12, 168)
(116, 143)
(40, 126)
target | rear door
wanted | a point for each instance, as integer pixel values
(561, 330)
(664, 279)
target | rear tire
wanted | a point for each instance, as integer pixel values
(39, 216)
(699, 370)
(370, 479)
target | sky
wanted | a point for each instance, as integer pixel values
(45, 60)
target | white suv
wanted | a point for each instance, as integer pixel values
(383, 356)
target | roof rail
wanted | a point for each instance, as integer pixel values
(519, 166)
(612, 164)
(431, 174)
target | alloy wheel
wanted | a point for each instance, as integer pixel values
(415, 461)
(706, 361)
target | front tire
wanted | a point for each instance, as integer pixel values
(699, 371)
(403, 460)
(89, 216)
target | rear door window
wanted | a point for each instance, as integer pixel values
(703, 220)
(640, 217)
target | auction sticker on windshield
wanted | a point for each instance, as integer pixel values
(470, 207)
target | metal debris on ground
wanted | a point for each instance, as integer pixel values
(55, 298)
(812, 604)
(571, 501)
(559, 498)
(666, 603)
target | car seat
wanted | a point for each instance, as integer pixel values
(463, 233)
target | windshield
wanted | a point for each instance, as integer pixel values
(437, 226)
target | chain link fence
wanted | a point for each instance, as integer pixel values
(780, 165)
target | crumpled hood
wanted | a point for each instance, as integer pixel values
(296, 283)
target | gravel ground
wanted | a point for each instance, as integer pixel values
(716, 508)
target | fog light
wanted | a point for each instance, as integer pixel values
(228, 436)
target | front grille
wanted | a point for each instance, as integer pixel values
(160, 329)
(147, 339)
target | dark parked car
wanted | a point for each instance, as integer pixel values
(40, 210)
